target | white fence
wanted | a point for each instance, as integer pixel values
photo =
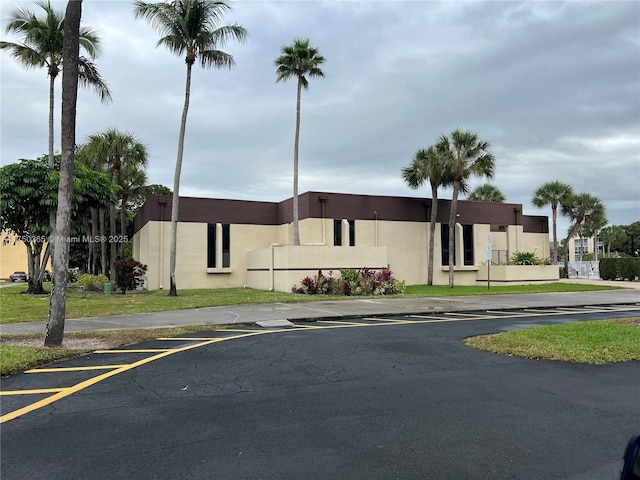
(584, 270)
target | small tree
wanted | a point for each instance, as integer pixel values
(128, 273)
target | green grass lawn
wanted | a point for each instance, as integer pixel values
(594, 342)
(16, 358)
(17, 307)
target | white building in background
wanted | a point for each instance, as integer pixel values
(578, 247)
(233, 243)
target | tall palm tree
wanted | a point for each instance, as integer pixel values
(428, 165)
(578, 208)
(486, 193)
(594, 222)
(116, 149)
(298, 60)
(70, 52)
(554, 194)
(190, 28)
(466, 156)
(41, 46)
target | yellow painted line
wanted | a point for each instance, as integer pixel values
(462, 314)
(31, 392)
(124, 350)
(201, 342)
(343, 322)
(75, 369)
(188, 339)
(374, 319)
(97, 379)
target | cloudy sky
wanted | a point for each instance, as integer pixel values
(554, 86)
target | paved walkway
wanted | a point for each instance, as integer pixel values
(334, 309)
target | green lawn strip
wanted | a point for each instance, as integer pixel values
(594, 342)
(15, 358)
(17, 307)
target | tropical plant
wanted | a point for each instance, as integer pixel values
(129, 273)
(118, 150)
(301, 61)
(28, 190)
(41, 46)
(351, 282)
(486, 193)
(578, 208)
(132, 180)
(525, 258)
(190, 28)
(428, 165)
(613, 238)
(553, 194)
(93, 283)
(466, 156)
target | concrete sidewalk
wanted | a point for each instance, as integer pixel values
(334, 309)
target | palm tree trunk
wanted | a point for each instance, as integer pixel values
(103, 243)
(296, 227)
(572, 232)
(92, 246)
(71, 50)
(123, 226)
(452, 229)
(554, 258)
(112, 244)
(173, 291)
(112, 224)
(52, 78)
(432, 232)
(51, 161)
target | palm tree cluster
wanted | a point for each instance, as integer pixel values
(450, 162)
(584, 210)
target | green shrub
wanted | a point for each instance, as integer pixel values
(128, 273)
(624, 268)
(94, 283)
(525, 258)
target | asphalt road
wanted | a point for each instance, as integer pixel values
(383, 398)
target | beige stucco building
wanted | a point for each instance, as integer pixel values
(13, 255)
(235, 243)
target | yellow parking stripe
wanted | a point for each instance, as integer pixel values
(74, 369)
(99, 378)
(61, 393)
(31, 392)
(124, 350)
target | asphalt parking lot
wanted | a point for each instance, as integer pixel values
(387, 398)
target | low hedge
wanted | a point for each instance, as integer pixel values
(624, 268)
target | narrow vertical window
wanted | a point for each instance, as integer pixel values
(444, 243)
(211, 245)
(226, 245)
(467, 242)
(337, 233)
(352, 233)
